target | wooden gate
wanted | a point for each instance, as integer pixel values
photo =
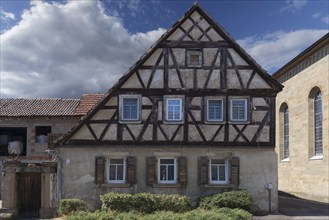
(29, 194)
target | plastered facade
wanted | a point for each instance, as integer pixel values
(302, 174)
(78, 173)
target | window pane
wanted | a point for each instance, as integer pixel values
(167, 161)
(171, 171)
(174, 109)
(163, 172)
(239, 109)
(318, 124)
(214, 173)
(286, 133)
(130, 108)
(116, 161)
(215, 109)
(221, 170)
(119, 172)
(112, 172)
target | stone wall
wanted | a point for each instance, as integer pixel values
(302, 174)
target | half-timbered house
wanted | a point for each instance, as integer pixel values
(195, 115)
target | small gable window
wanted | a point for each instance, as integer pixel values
(129, 108)
(239, 109)
(174, 109)
(194, 57)
(214, 110)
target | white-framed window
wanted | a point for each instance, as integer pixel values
(218, 171)
(116, 170)
(130, 108)
(194, 57)
(239, 109)
(167, 170)
(214, 110)
(173, 109)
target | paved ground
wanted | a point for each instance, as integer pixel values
(297, 209)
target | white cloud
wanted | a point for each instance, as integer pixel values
(64, 50)
(6, 16)
(325, 19)
(274, 50)
(316, 15)
(293, 5)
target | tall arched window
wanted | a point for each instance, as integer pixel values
(318, 145)
(284, 131)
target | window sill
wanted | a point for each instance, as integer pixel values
(116, 185)
(167, 185)
(217, 185)
(317, 157)
(285, 160)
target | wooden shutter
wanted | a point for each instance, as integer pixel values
(99, 170)
(131, 170)
(151, 168)
(203, 170)
(182, 170)
(235, 171)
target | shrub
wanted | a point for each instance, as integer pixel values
(144, 202)
(85, 215)
(234, 199)
(67, 206)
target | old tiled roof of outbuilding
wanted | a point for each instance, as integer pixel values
(87, 102)
(42, 107)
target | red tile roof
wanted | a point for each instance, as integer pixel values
(48, 106)
(87, 102)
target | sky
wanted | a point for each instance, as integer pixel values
(63, 49)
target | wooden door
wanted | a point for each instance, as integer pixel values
(29, 194)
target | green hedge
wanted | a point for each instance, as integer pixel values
(68, 206)
(144, 202)
(197, 214)
(240, 199)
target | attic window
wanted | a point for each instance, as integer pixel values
(194, 57)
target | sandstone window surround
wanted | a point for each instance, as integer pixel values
(218, 171)
(194, 58)
(215, 111)
(239, 110)
(166, 170)
(130, 108)
(209, 165)
(116, 170)
(315, 124)
(174, 109)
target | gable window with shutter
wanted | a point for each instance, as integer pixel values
(130, 108)
(115, 170)
(239, 110)
(166, 170)
(214, 171)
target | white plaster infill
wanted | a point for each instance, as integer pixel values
(317, 157)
